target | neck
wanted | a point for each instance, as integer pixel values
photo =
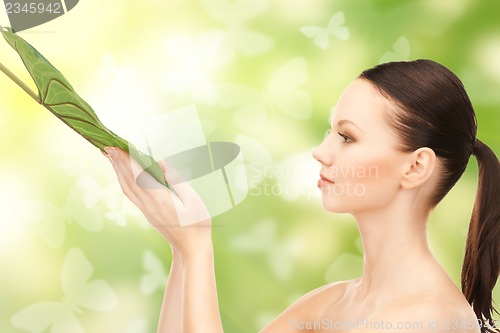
(395, 249)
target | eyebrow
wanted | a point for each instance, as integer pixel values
(346, 121)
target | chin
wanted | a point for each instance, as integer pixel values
(343, 197)
(334, 205)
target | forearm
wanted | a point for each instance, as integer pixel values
(190, 304)
(200, 304)
(171, 310)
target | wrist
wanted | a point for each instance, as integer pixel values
(201, 252)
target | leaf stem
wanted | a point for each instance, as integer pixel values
(20, 83)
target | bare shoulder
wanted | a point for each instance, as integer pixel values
(306, 308)
(327, 293)
(425, 313)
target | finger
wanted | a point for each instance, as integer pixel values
(142, 185)
(121, 163)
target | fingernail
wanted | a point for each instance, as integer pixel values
(108, 150)
(111, 154)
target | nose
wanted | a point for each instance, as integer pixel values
(322, 154)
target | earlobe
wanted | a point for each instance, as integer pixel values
(420, 167)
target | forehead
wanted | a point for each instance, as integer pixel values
(362, 104)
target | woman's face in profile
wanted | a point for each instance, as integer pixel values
(361, 168)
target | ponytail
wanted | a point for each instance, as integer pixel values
(433, 110)
(481, 265)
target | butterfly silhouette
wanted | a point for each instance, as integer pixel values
(119, 208)
(94, 192)
(79, 293)
(52, 220)
(400, 51)
(283, 93)
(155, 276)
(321, 36)
(235, 16)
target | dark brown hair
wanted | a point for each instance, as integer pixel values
(433, 110)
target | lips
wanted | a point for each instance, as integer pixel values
(324, 181)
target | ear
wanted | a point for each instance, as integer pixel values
(419, 169)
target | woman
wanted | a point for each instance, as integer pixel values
(411, 127)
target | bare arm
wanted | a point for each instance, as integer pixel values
(200, 306)
(190, 303)
(189, 282)
(171, 309)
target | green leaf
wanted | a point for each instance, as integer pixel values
(57, 95)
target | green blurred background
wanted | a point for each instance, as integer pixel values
(257, 80)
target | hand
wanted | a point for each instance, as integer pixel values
(181, 219)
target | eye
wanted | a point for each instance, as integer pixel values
(347, 139)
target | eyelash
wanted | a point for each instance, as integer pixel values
(347, 139)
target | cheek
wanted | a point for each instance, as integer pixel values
(374, 171)
(362, 184)
(379, 177)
